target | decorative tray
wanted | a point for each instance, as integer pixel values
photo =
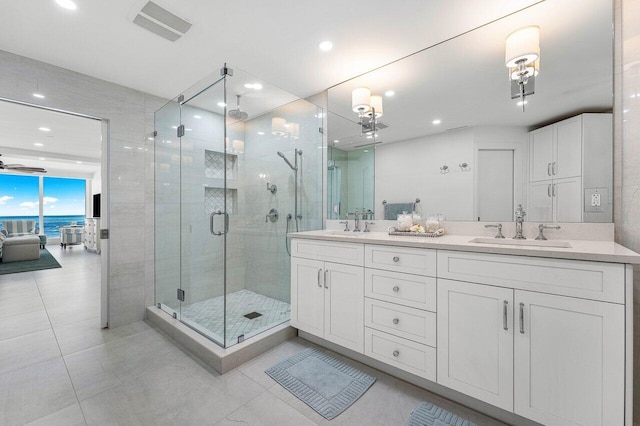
(438, 233)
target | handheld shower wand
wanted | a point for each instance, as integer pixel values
(294, 167)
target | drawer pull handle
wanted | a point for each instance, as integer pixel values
(326, 283)
(522, 318)
(396, 259)
(319, 275)
(396, 353)
(396, 289)
(396, 321)
(505, 306)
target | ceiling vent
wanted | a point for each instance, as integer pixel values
(161, 22)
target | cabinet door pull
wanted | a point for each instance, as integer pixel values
(319, 274)
(505, 307)
(326, 284)
(396, 321)
(522, 318)
(553, 168)
(396, 289)
(548, 169)
(553, 189)
(549, 190)
(396, 353)
(396, 259)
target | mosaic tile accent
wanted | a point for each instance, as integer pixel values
(210, 314)
(214, 165)
(214, 200)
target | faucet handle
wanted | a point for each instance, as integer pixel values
(520, 213)
(366, 226)
(497, 225)
(346, 225)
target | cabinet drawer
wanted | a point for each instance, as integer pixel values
(410, 323)
(575, 278)
(401, 353)
(400, 259)
(338, 252)
(415, 291)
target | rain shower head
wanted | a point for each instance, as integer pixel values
(287, 161)
(238, 114)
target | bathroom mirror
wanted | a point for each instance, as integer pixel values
(451, 135)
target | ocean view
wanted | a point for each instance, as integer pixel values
(51, 223)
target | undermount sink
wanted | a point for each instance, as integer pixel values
(521, 243)
(344, 233)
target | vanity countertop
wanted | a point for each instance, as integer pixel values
(599, 251)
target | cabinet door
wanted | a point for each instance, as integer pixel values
(307, 295)
(540, 154)
(569, 360)
(344, 306)
(540, 201)
(567, 198)
(568, 149)
(475, 341)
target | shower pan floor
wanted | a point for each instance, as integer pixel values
(209, 315)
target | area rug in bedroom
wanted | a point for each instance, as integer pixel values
(46, 261)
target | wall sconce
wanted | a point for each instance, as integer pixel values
(522, 57)
(464, 167)
(369, 109)
(278, 126)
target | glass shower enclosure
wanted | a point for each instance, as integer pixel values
(238, 164)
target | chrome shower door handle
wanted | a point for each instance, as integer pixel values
(522, 318)
(319, 275)
(326, 283)
(226, 223)
(505, 307)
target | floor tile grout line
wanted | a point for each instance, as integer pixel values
(64, 361)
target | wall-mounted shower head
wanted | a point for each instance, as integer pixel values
(294, 168)
(238, 114)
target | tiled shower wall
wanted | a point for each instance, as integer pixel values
(131, 173)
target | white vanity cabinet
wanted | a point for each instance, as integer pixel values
(555, 151)
(544, 338)
(328, 297)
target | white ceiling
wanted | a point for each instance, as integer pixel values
(464, 82)
(274, 40)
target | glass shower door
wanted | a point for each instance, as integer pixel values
(204, 219)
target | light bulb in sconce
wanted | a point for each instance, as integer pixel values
(238, 146)
(293, 130)
(278, 126)
(376, 105)
(361, 100)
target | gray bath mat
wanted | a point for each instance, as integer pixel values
(431, 415)
(322, 382)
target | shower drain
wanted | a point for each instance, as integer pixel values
(252, 315)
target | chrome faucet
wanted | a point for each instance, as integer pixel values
(497, 225)
(520, 214)
(346, 225)
(541, 229)
(366, 226)
(356, 215)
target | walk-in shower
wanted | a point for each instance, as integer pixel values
(220, 266)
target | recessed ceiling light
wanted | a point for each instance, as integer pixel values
(41, 158)
(366, 150)
(520, 103)
(189, 130)
(78, 162)
(126, 147)
(67, 4)
(389, 93)
(336, 140)
(325, 46)
(44, 129)
(38, 144)
(167, 141)
(254, 86)
(436, 122)
(222, 104)
(174, 127)
(198, 117)
(261, 133)
(369, 136)
(38, 95)
(625, 111)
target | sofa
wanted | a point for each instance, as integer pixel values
(19, 241)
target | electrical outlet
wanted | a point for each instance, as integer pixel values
(595, 200)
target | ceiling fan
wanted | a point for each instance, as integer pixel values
(21, 168)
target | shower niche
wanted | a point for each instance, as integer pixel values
(227, 274)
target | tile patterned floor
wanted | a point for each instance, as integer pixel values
(58, 368)
(209, 314)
